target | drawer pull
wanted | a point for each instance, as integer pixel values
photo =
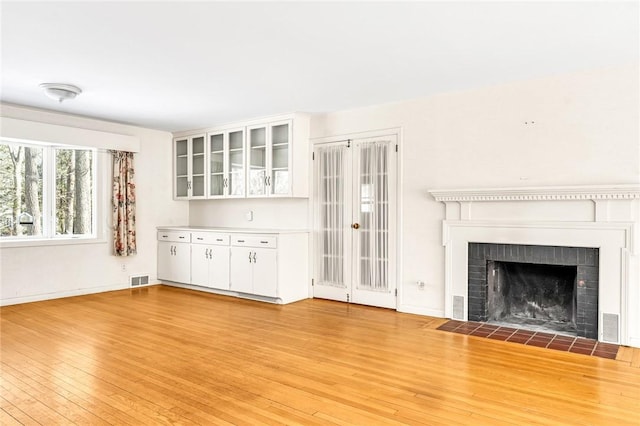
(264, 242)
(165, 236)
(198, 238)
(182, 238)
(241, 241)
(218, 239)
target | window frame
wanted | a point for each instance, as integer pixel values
(49, 221)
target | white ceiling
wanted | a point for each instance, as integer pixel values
(178, 66)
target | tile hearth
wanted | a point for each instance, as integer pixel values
(558, 342)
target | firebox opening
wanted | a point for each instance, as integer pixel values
(537, 297)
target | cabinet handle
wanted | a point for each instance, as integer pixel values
(254, 257)
(182, 238)
(249, 257)
(218, 239)
(241, 241)
(268, 180)
(198, 238)
(188, 184)
(264, 242)
(165, 236)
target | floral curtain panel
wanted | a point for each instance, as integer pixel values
(123, 202)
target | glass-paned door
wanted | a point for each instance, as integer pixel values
(235, 184)
(332, 177)
(355, 209)
(198, 167)
(257, 161)
(279, 181)
(181, 164)
(216, 165)
(374, 218)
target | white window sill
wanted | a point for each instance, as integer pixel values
(9, 243)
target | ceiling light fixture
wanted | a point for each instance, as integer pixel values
(60, 92)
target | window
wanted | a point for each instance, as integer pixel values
(47, 191)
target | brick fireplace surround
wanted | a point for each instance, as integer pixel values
(584, 259)
(603, 217)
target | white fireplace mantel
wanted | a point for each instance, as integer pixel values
(606, 217)
(591, 192)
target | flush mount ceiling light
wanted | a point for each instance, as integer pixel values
(60, 92)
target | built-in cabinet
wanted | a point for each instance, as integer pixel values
(269, 159)
(254, 264)
(270, 266)
(227, 160)
(210, 260)
(189, 165)
(174, 251)
(259, 158)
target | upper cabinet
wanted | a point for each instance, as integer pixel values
(260, 158)
(269, 158)
(189, 165)
(227, 159)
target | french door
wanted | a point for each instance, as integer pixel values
(355, 221)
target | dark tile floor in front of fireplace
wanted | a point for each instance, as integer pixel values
(558, 342)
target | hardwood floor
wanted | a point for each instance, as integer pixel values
(162, 355)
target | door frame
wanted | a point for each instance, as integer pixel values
(393, 131)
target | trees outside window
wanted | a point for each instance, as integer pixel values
(46, 191)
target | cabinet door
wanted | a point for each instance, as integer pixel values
(257, 161)
(181, 168)
(181, 263)
(197, 186)
(235, 159)
(217, 167)
(165, 254)
(219, 267)
(241, 269)
(265, 281)
(200, 264)
(279, 177)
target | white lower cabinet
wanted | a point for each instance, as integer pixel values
(272, 267)
(210, 266)
(174, 252)
(254, 271)
(210, 260)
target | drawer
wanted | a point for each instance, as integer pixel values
(211, 238)
(174, 236)
(246, 240)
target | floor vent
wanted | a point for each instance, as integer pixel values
(610, 328)
(458, 308)
(138, 280)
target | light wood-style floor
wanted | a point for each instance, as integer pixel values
(163, 355)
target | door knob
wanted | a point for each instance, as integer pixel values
(355, 226)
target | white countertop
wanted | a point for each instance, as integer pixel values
(232, 230)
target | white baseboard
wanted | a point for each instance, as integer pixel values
(419, 310)
(61, 294)
(634, 341)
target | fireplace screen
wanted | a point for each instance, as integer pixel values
(534, 296)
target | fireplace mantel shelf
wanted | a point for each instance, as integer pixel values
(543, 193)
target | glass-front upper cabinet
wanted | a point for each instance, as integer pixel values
(270, 159)
(236, 164)
(189, 167)
(226, 164)
(257, 161)
(279, 181)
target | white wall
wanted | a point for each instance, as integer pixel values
(568, 130)
(36, 273)
(291, 213)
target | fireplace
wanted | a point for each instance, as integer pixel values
(540, 288)
(594, 229)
